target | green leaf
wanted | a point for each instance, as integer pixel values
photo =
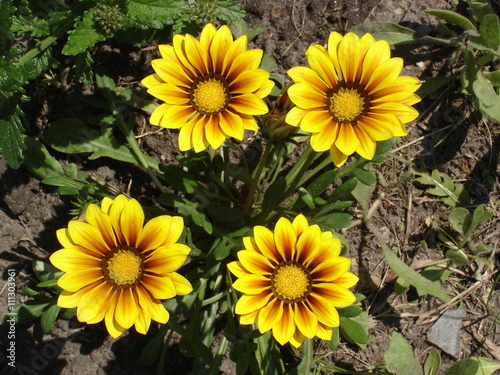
(73, 136)
(273, 195)
(350, 311)
(362, 193)
(364, 176)
(423, 285)
(306, 197)
(464, 367)
(155, 14)
(436, 274)
(39, 162)
(460, 219)
(452, 17)
(307, 363)
(84, 36)
(49, 317)
(399, 358)
(486, 365)
(433, 84)
(484, 91)
(323, 181)
(490, 31)
(336, 220)
(388, 31)
(230, 10)
(353, 331)
(432, 363)
(11, 133)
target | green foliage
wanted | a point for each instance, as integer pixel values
(443, 186)
(399, 357)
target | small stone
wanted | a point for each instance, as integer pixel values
(445, 333)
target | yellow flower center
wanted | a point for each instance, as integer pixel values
(291, 282)
(124, 267)
(210, 96)
(346, 104)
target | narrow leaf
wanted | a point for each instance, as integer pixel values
(452, 17)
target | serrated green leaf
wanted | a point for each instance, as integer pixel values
(84, 36)
(49, 317)
(399, 358)
(388, 31)
(11, 137)
(39, 162)
(155, 14)
(452, 17)
(83, 67)
(230, 10)
(432, 363)
(490, 31)
(6, 11)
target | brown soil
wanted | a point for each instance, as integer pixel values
(468, 151)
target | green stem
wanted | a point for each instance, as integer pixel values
(256, 176)
(298, 170)
(129, 136)
(58, 32)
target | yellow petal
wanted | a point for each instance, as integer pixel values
(250, 303)
(185, 135)
(235, 49)
(168, 71)
(285, 239)
(376, 129)
(252, 284)
(198, 138)
(142, 322)
(160, 287)
(94, 304)
(316, 121)
(248, 104)
(182, 285)
(255, 263)
(176, 116)
(72, 281)
(249, 318)
(306, 321)
(237, 269)
(264, 240)
(213, 132)
(166, 259)
(322, 64)
(350, 58)
(295, 115)
(331, 268)
(285, 327)
(324, 311)
(378, 53)
(338, 157)
(347, 141)
(324, 332)
(86, 236)
(347, 280)
(152, 80)
(196, 54)
(70, 260)
(114, 212)
(384, 75)
(170, 94)
(246, 61)
(324, 140)
(69, 299)
(219, 46)
(308, 244)
(158, 232)
(126, 308)
(367, 146)
(334, 294)
(300, 224)
(304, 96)
(231, 124)
(152, 306)
(309, 76)
(100, 220)
(112, 325)
(270, 315)
(131, 222)
(248, 81)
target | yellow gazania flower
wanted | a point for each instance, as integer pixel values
(211, 88)
(352, 96)
(292, 280)
(118, 270)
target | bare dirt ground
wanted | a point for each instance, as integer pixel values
(447, 136)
